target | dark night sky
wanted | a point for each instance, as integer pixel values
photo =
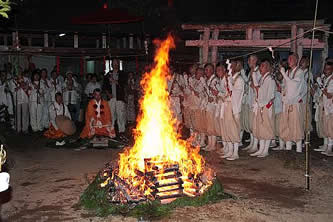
(56, 14)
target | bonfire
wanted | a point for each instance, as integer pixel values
(160, 165)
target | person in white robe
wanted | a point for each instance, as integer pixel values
(211, 92)
(46, 84)
(6, 99)
(36, 101)
(317, 93)
(263, 119)
(221, 73)
(71, 98)
(326, 110)
(19, 88)
(291, 127)
(198, 92)
(91, 86)
(304, 65)
(55, 86)
(232, 109)
(175, 94)
(254, 77)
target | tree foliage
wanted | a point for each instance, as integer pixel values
(4, 8)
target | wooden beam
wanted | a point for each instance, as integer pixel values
(293, 45)
(68, 51)
(205, 45)
(262, 26)
(215, 49)
(251, 43)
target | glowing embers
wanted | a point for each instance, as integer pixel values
(161, 181)
(118, 191)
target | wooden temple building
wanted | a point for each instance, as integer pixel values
(219, 41)
(89, 39)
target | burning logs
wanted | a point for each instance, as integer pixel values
(164, 179)
(161, 181)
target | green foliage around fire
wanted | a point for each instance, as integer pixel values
(95, 198)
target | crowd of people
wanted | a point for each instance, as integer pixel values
(32, 100)
(217, 103)
(269, 102)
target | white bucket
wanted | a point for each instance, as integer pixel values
(4, 181)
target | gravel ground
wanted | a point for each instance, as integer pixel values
(46, 185)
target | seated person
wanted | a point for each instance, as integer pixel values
(57, 108)
(98, 118)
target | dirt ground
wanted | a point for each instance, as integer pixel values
(46, 185)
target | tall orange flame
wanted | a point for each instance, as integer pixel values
(156, 136)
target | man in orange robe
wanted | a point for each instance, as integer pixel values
(98, 118)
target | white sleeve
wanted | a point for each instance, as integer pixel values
(298, 76)
(242, 72)
(53, 116)
(237, 96)
(255, 78)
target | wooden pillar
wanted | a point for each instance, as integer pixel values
(205, 47)
(76, 40)
(249, 33)
(5, 40)
(200, 51)
(124, 42)
(29, 41)
(293, 44)
(118, 44)
(46, 40)
(131, 39)
(324, 53)
(97, 43)
(103, 41)
(53, 42)
(299, 50)
(139, 45)
(215, 48)
(13, 39)
(256, 34)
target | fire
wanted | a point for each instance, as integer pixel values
(156, 137)
(160, 164)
